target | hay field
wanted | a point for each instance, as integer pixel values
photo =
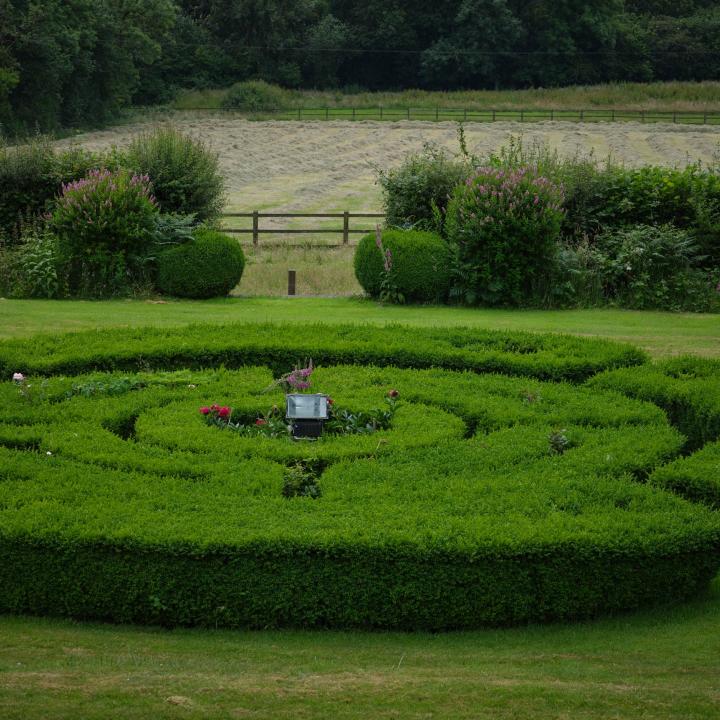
(327, 166)
(291, 166)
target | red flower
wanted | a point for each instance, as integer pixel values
(215, 407)
(330, 401)
(205, 410)
(261, 421)
(224, 412)
(394, 394)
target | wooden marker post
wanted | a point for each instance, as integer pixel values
(291, 282)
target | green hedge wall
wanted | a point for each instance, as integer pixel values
(548, 357)
(696, 477)
(118, 502)
(687, 388)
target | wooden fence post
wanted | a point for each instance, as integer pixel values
(256, 223)
(346, 227)
(381, 112)
(327, 113)
(353, 117)
(552, 114)
(582, 115)
(437, 113)
(291, 282)
(522, 116)
(493, 116)
(705, 118)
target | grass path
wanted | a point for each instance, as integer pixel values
(659, 333)
(662, 664)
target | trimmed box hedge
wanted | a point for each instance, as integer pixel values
(119, 502)
(278, 346)
(687, 388)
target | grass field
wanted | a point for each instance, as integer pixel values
(658, 664)
(318, 166)
(661, 334)
(671, 96)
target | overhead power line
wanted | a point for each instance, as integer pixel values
(496, 53)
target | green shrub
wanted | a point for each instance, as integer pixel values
(31, 177)
(172, 229)
(210, 265)
(255, 96)
(37, 262)
(418, 265)
(600, 197)
(644, 267)
(503, 225)
(105, 225)
(423, 182)
(184, 172)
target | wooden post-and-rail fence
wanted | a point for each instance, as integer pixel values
(257, 216)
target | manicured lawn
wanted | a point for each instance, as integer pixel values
(659, 664)
(659, 333)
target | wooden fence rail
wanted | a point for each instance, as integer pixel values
(256, 230)
(437, 113)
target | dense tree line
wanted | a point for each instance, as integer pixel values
(69, 62)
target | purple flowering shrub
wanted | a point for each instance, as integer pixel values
(105, 224)
(503, 226)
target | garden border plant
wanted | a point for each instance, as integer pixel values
(118, 502)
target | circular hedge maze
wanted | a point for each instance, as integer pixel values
(515, 482)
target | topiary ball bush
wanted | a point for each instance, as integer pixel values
(210, 265)
(420, 264)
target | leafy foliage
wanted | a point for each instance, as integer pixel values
(70, 64)
(210, 265)
(416, 269)
(184, 172)
(31, 177)
(300, 481)
(653, 267)
(420, 186)
(254, 96)
(503, 225)
(104, 224)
